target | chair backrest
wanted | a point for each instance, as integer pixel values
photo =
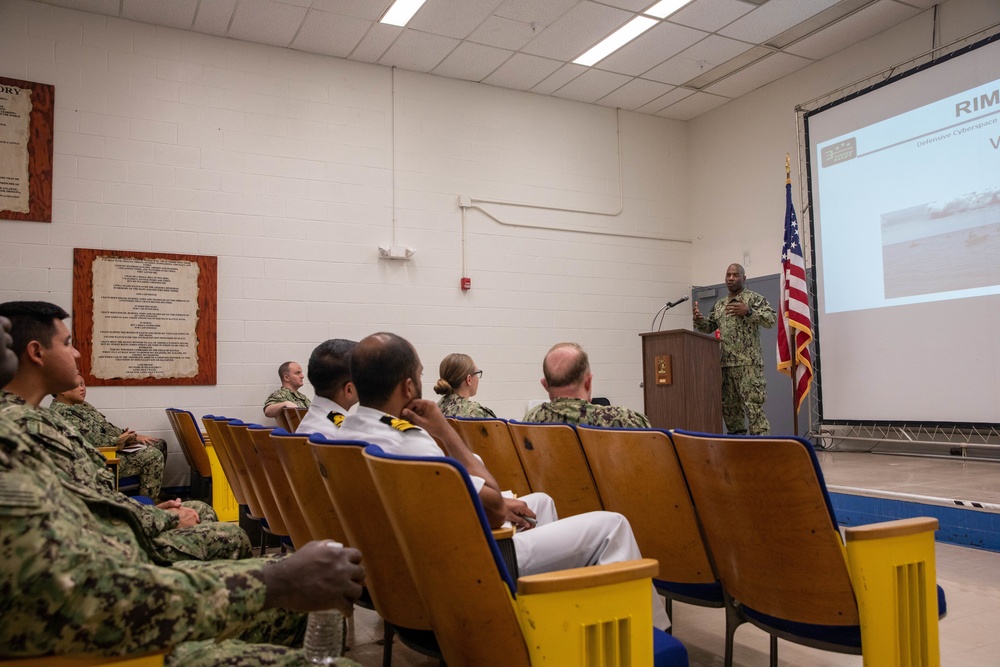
(310, 492)
(453, 558)
(769, 525)
(282, 421)
(492, 441)
(294, 417)
(349, 483)
(228, 461)
(189, 437)
(281, 488)
(554, 463)
(638, 476)
(239, 438)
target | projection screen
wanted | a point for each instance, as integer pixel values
(904, 195)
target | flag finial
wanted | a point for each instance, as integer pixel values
(788, 169)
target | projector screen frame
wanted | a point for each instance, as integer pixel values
(804, 114)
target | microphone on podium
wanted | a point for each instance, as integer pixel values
(663, 311)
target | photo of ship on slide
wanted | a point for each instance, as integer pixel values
(935, 247)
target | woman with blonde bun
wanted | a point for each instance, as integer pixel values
(458, 383)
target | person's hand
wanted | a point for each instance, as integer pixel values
(170, 504)
(320, 575)
(188, 517)
(737, 308)
(519, 514)
(427, 415)
(144, 439)
(697, 313)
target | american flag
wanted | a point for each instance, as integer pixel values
(795, 325)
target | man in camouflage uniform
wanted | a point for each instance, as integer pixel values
(288, 396)
(175, 531)
(75, 578)
(739, 317)
(146, 462)
(569, 382)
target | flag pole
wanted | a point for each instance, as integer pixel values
(788, 330)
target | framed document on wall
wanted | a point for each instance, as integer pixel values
(26, 128)
(145, 318)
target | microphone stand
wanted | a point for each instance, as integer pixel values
(662, 312)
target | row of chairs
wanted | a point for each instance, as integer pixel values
(741, 523)
(324, 490)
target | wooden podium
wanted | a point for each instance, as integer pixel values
(682, 380)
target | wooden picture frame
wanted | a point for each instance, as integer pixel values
(40, 133)
(205, 312)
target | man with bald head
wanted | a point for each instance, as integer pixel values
(288, 395)
(569, 382)
(738, 317)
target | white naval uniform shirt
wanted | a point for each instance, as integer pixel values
(317, 420)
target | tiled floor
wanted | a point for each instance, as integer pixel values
(970, 634)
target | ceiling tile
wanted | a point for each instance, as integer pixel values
(472, 62)
(452, 18)
(592, 85)
(758, 74)
(503, 33)
(630, 5)
(175, 14)
(692, 106)
(576, 31)
(369, 10)
(213, 16)
(379, 38)
(923, 4)
(635, 94)
(266, 22)
(675, 95)
(855, 28)
(418, 51)
(651, 49)
(559, 78)
(522, 72)
(710, 15)
(695, 61)
(772, 18)
(330, 34)
(533, 11)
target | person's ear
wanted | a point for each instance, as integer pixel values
(588, 381)
(409, 389)
(349, 390)
(545, 385)
(33, 352)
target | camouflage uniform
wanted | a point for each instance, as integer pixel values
(453, 405)
(77, 461)
(743, 388)
(285, 394)
(147, 463)
(75, 578)
(579, 411)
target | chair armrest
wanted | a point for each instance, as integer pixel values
(893, 572)
(585, 577)
(886, 529)
(503, 533)
(147, 660)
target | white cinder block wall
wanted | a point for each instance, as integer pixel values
(287, 166)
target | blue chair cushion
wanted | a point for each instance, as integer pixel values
(841, 635)
(668, 651)
(145, 500)
(708, 592)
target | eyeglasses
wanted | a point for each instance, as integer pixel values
(479, 373)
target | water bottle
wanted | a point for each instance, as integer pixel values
(324, 632)
(324, 637)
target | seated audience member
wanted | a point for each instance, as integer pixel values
(458, 383)
(288, 396)
(47, 365)
(147, 456)
(568, 380)
(386, 373)
(74, 578)
(330, 376)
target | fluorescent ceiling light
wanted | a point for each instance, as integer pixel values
(665, 8)
(616, 40)
(401, 12)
